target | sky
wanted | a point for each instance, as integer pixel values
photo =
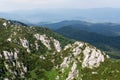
(12, 5)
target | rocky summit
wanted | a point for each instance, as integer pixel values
(36, 53)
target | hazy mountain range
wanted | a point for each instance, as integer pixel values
(108, 29)
(54, 15)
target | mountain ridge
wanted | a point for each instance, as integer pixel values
(100, 28)
(105, 43)
(38, 53)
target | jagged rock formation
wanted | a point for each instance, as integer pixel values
(34, 53)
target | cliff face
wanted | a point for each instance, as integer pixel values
(38, 53)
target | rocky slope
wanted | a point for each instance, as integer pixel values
(33, 53)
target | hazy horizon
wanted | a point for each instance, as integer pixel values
(59, 10)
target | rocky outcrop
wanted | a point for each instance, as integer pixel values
(57, 45)
(81, 54)
(44, 39)
(92, 57)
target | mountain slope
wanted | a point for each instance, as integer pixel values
(58, 25)
(35, 53)
(106, 29)
(105, 43)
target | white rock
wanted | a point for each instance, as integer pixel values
(8, 22)
(5, 24)
(74, 72)
(24, 68)
(107, 56)
(25, 44)
(18, 64)
(43, 39)
(13, 63)
(79, 44)
(15, 72)
(73, 67)
(15, 55)
(92, 57)
(76, 51)
(86, 56)
(5, 53)
(57, 45)
(42, 57)
(66, 62)
(67, 46)
(94, 72)
(9, 39)
(37, 46)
